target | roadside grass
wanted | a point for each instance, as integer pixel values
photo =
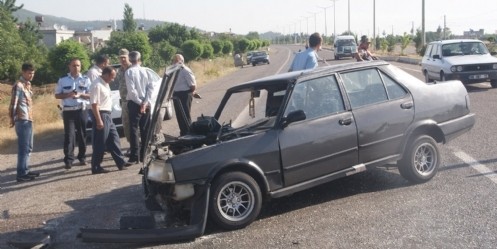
(46, 115)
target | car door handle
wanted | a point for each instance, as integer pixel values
(407, 105)
(345, 121)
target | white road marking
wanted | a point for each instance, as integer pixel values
(482, 169)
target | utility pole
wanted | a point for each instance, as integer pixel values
(315, 26)
(349, 17)
(423, 35)
(374, 24)
(325, 22)
(334, 20)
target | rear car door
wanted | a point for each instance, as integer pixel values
(326, 141)
(382, 110)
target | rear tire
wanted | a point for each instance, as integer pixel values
(427, 78)
(421, 160)
(235, 201)
(493, 83)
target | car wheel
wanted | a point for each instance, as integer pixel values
(235, 200)
(253, 64)
(442, 76)
(420, 161)
(337, 58)
(427, 78)
(493, 83)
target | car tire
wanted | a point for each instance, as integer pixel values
(442, 76)
(427, 78)
(337, 58)
(493, 83)
(420, 161)
(253, 64)
(235, 200)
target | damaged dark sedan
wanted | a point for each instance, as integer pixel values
(285, 133)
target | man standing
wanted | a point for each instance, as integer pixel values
(183, 90)
(309, 58)
(73, 89)
(123, 91)
(21, 116)
(104, 131)
(140, 89)
(96, 70)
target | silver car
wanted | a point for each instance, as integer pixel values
(466, 60)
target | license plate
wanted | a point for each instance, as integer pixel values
(478, 76)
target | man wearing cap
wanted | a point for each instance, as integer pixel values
(363, 53)
(139, 95)
(123, 91)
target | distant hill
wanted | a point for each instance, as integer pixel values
(49, 21)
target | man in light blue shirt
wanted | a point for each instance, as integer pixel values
(308, 59)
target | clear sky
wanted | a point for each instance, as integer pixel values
(286, 16)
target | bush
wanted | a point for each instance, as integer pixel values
(192, 50)
(60, 56)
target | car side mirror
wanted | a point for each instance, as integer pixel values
(294, 116)
(437, 56)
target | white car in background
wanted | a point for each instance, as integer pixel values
(116, 111)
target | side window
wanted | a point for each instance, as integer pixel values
(316, 97)
(428, 50)
(394, 90)
(364, 87)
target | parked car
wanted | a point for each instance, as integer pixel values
(116, 111)
(249, 55)
(259, 57)
(345, 46)
(466, 60)
(285, 133)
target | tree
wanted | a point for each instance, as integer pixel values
(173, 33)
(217, 45)
(227, 47)
(129, 23)
(192, 50)
(12, 48)
(132, 41)
(10, 7)
(405, 40)
(60, 56)
(244, 44)
(252, 35)
(208, 51)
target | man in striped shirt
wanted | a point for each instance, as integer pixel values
(21, 116)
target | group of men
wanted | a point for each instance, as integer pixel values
(90, 94)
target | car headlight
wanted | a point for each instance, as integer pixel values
(456, 69)
(453, 68)
(459, 68)
(494, 66)
(160, 171)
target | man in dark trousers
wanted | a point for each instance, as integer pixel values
(184, 90)
(73, 90)
(104, 131)
(140, 88)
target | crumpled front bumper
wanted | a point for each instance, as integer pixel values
(198, 219)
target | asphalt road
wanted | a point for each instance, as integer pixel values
(374, 209)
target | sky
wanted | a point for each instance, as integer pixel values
(287, 16)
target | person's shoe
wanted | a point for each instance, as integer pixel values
(127, 153)
(82, 162)
(33, 173)
(25, 178)
(122, 168)
(131, 162)
(127, 164)
(99, 171)
(68, 166)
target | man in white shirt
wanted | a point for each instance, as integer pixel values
(140, 88)
(104, 131)
(96, 70)
(183, 90)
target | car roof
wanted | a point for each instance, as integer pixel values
(289, 77)
(455, 41)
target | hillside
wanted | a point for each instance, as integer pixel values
(49, 21)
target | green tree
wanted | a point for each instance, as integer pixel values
(217, 45)
(252, 35)
(244, 44)
(173, 33)
(227, 47)
(60, 56)
(129, 23)
(12, 48)
(10, 7)
(405, 40)
(192, 50)
(208, 51)
(132, 41)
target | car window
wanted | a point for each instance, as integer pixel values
(364, 87)
(428, 50)
(463, 48)
(394, 90)
(316, 97)
(237, 111)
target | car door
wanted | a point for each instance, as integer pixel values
(433, 65)
(326, 141)
(382, 110)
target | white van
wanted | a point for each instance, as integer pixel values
(345, 46)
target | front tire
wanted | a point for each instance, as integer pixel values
(421, 160)
(493, 83)
(427, 78)
(235, 202)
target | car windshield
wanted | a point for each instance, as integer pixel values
(349, 42)
(259, 53)
(463, 48)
